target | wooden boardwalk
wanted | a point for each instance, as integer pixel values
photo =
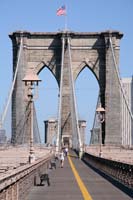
(63, 184)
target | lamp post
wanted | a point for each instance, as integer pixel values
(31, 81)
(101, 117)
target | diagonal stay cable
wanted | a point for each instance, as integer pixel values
(74, 97)
(13, 83)
(130, 112)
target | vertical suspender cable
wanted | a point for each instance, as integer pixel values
(12, 86)
(60, 98)
(36, 128)
(74, 97)
(120, 80)
(95, 120)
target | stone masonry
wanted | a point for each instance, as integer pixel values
(44, 49)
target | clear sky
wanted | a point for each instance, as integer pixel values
(82, 16)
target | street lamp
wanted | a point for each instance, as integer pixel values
(101, 118)
(31, 81)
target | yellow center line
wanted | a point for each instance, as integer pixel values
(81, 185)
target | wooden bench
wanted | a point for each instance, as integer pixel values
(52, 164)
(44, 177)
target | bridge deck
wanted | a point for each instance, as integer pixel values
(63, 184)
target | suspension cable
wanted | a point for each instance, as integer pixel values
(74, 97)
(36, 132)
(60, 97)
(12, 86)
(130, 112)
(95, 124)
(20, 128)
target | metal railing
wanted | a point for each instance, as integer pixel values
(121, 172)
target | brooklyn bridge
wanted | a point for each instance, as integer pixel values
(102, 169)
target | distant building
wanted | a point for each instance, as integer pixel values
(127, 122)
(51, 132)
(3, 137)
(82, 128)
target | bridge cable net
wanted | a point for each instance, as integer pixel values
(24, 123)
(58, 139)
(118, 76)
(76, 139)
(12, 87)
(6, 123)
(36, 132)
(125, 102)
(77, 144)
(95, 134)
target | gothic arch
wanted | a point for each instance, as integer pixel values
(83, 65)
(91, 49)
(43, 65)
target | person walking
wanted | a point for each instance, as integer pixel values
(62, 159)
(66, 151)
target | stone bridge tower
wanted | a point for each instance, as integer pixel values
(92, 50)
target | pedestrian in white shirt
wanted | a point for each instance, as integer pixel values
(62, 159)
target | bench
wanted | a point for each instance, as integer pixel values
(52, 164)
(44, 177)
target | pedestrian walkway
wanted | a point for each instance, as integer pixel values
(76, 181)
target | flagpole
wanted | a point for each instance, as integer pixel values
(65, 18)
(62, 11)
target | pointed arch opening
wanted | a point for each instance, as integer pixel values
(47, 103)
(87, 91)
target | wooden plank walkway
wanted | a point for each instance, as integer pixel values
(63, 185)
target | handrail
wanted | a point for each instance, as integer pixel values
(22, 171)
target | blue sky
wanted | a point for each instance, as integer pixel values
(82, 16)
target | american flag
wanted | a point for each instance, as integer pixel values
(61, 11)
